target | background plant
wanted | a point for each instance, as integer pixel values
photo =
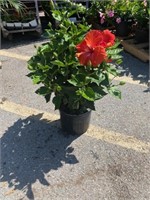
(75, 9)
(6, 4)
(14, 10)
(141, 12)
(110, 12)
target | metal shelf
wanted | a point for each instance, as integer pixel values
(8, 27)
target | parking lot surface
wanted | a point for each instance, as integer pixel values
(111, 161)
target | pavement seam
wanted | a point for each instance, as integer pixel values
(115, 138)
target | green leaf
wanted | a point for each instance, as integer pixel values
(99, 92)
(55, 54)
(57, 88)
(73, 82)
(45, 48)
(95, 79)
(47, 97)
(58, 63)
(36, 79)
(78, 80)
(57, 101)
(30, 67)
(66, 37)
(115, 92)
(88, 94)
(56, 15)
(117, 43)
(74, 63)
(43, 67)
(119, 61)
(112, 70)
(30, 74)
(122, 83)
(116, 57)
(43, 91)
(71, 13)
(114, 51)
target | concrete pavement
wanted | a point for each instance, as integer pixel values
(109, 162)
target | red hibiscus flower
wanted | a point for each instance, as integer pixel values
(91, 51)
(108, 38)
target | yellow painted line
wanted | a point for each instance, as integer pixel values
(9, 192)
(128, 142)
(14, 55)
(26, 111)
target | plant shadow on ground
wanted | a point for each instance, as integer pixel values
(134, 68)
(30, 149)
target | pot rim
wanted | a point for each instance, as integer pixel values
(88, 111)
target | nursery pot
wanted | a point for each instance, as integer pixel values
(141, 35)
(75, 124)
(122, 29)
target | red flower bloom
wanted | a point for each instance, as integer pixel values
(108, 38)
(94, 38)
(91, 50)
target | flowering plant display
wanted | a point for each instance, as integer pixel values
(77, 65)
(116, 11)
(141, 13)
(107, 17)
(113, 13)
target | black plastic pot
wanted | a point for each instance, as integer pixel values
(142, 36)
(122, 29)
(75, 124)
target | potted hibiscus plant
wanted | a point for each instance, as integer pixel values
(75, 66)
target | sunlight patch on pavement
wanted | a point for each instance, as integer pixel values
(128, 142)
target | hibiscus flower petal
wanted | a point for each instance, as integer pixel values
(98, 56)
(82, 46)
(94, 38)
(83, 57)
(108, 38)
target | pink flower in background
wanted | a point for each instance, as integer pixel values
(145, 3)
(113, 2)
(110, 13)
(102, 17)
(101, 14)
(102, 20)
(118, 20)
